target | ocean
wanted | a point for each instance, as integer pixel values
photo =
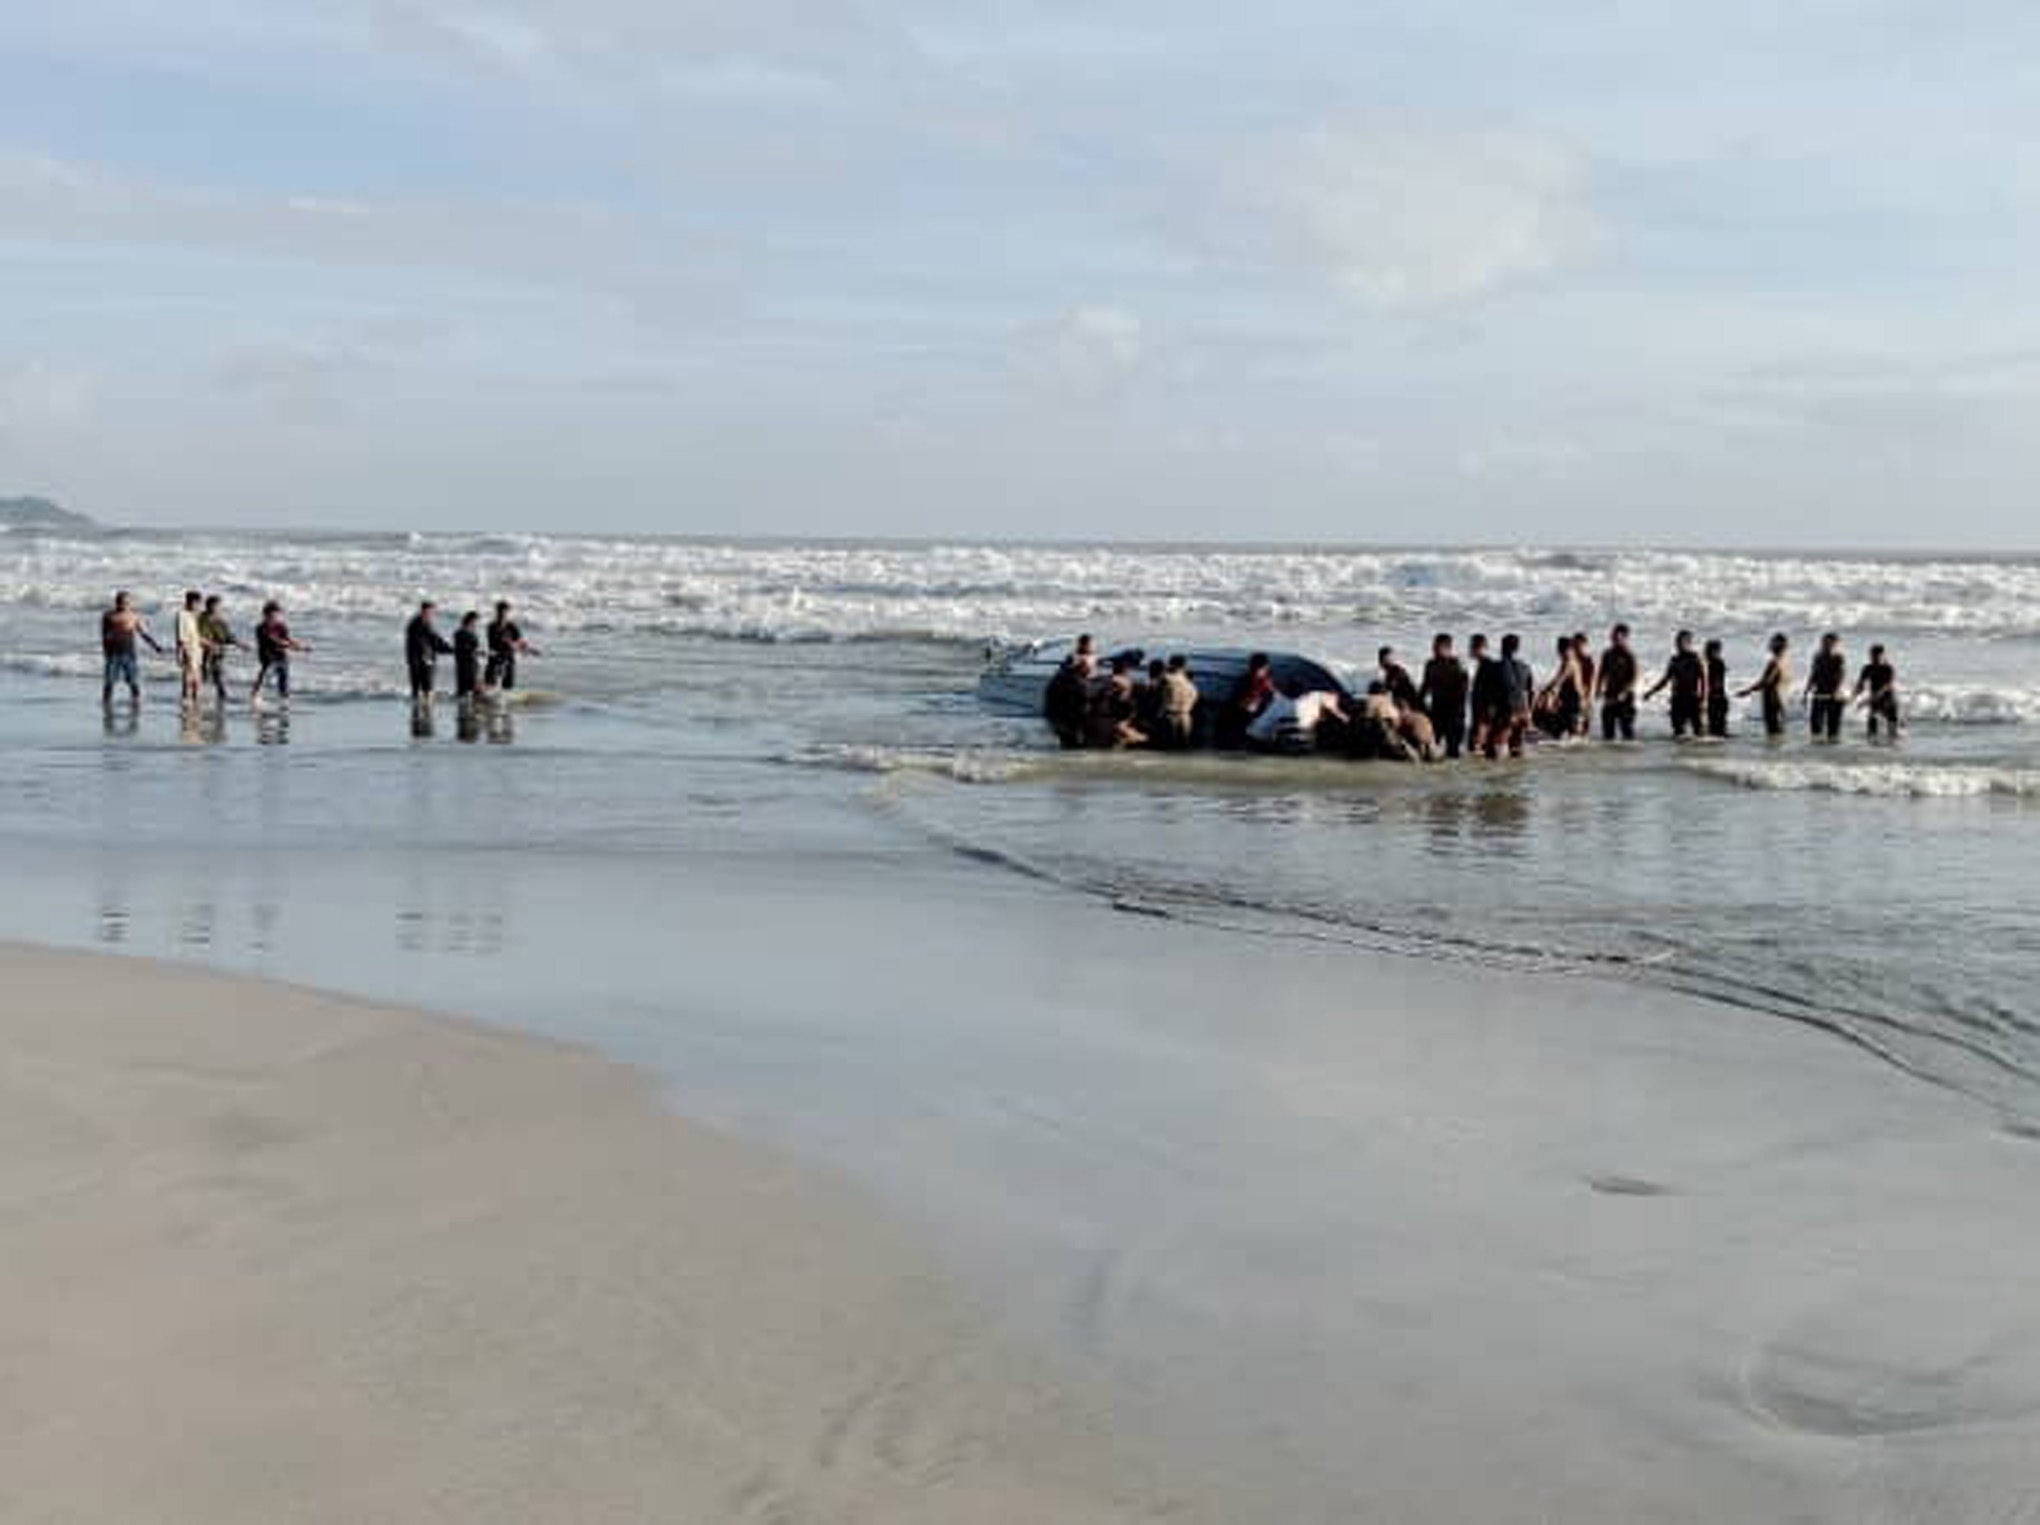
(721, 697)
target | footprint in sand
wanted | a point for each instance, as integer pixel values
(1894, 1365)
(1626, 1186)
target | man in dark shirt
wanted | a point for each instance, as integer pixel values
(1686, 676)
(423, 647)
(1717, 691)
(273, 646)
(1395, 679)
(1065, 703)
(1615, 685)
(1877, 689)
(1826, 676)
(1514, 686)
(1484, 694)
(506, 645)
(467, 658)
(1443, 696)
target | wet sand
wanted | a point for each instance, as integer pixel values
(1247, 1229)
(272, 1256)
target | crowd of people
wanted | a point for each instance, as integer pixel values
(204, 638)
(1489, 704)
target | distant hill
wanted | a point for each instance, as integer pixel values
(40, 514)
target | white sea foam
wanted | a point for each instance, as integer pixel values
(1902, 780)
(966, 766)
(1339, 601)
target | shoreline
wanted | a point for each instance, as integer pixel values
(272, 1254)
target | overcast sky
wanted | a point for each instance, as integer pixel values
(1580, 270)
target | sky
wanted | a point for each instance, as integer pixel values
(1584, 271)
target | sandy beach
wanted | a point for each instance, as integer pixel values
(273, 1256)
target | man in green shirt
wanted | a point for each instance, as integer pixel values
(217, 635)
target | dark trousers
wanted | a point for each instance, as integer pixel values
(1618, 718)
(1774, 715)
(1717, 715)
(1827, 717)
(421, 680)
(1685, 714)
(1507, 730)
(1451, 732)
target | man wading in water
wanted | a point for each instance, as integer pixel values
(119, 628)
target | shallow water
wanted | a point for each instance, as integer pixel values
(787, 699)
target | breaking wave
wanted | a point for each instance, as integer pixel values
(1890, 780)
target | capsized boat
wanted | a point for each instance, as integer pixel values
(1017, 678)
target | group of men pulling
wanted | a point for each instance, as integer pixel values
(1489, 705)
(424, 646)
(204, 638)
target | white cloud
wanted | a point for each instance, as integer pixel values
(579, 245)
(1402, 218)
(38, 397)
(1087, 352)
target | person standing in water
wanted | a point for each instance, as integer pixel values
(1395, 679)
(218, 635)
(1877, 690)
(467, 659)
(119, 628)
(1686, 676)
(423, 647)
(1484, 694)
(1583, 658)
(1774, 682)
(1515, 687)
(1066, 702)
(506, 645)
(1717, 691)
(1443, 696)
(190, 649)
(1825, 679)
(1615, 687)
(1562, 700)
(1179, 701)
(273, 647)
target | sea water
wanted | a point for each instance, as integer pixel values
(725, 703)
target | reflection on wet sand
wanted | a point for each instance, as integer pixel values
(477, 933)
(198, 726)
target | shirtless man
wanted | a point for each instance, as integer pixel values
(119, 628)
(1772, 683)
